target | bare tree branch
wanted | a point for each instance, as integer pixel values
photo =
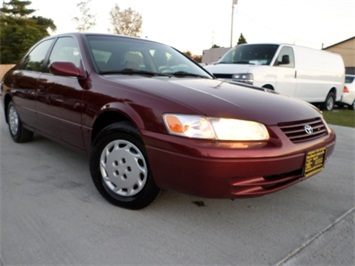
(86, 20)
(127, 22)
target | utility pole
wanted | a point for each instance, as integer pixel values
(234, 2)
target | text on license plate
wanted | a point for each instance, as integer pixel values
(314, 162)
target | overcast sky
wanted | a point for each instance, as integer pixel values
(195, 25)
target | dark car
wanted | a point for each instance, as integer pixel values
(152, 119)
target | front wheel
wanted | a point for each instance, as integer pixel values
(17, 131)
(119, 167)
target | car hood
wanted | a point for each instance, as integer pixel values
(216, 98)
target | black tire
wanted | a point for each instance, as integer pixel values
(352, 107)
(329, 103)
(119, 167)
(18, 133)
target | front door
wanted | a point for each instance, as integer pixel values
(59, 98)
(286, 72)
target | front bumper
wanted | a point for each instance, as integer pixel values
(209, 170)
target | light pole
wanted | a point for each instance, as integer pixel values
(234, 2)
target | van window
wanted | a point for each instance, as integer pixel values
(286, 58)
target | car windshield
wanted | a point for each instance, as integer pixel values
(254, 54)
(129, 56)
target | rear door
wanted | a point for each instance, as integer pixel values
(26, 80)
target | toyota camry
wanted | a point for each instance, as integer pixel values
(150, 119)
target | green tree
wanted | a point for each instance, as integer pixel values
(126, 22)
(17, 8)
(20, 30)
(87, 19)
(241, 39)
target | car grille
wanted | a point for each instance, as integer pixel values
(223, 76)
(296, 131)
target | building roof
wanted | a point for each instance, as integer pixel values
(340, 42)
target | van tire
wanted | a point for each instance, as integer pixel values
(329, 103)
(352, 106)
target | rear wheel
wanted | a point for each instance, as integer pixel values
(17, 131)
(329, 103)
(119, 167)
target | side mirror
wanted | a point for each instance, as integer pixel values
(285, 60)
(65, 69)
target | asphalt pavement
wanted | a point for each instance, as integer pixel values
(51, 214)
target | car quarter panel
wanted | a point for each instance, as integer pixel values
(124, 102)
(21, 86)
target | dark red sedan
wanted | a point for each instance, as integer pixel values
(152, 119)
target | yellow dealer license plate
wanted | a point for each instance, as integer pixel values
(314, 162)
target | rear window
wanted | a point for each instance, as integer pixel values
(349, 79)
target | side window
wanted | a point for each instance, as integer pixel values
(65, 50)
(286, 58)
(34, 60)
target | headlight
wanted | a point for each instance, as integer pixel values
(200, 127)
(233, 129)
(244, 77)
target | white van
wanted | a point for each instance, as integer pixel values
(311, 75)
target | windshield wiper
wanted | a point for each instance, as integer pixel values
(131, 71)
(185, 74)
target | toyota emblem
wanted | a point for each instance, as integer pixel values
(308, 129)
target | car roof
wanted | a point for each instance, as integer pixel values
(77, 34)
